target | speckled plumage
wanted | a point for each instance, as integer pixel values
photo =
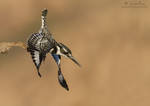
(41, 43)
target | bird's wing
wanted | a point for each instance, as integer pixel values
(57, 59)
(61, 78)
(34, 41)
(37, 58)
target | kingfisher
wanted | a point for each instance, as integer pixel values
(41, 43)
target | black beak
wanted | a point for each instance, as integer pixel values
(74, 60)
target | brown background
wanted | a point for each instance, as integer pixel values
(111, 42)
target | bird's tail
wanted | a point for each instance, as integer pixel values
(43, 17)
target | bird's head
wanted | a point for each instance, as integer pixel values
(63, 50)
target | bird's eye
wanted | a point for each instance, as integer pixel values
(64, 51)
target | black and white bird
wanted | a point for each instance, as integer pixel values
(41, 43)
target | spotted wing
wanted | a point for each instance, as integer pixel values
(37, 58)
(39, 42)
(34, 41)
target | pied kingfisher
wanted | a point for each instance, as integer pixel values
(41, 43)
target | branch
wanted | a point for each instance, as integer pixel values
(6, 46)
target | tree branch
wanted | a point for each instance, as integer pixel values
(6, 46)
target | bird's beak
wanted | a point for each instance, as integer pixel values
(74, 60)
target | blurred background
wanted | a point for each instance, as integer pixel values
(111, 39)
